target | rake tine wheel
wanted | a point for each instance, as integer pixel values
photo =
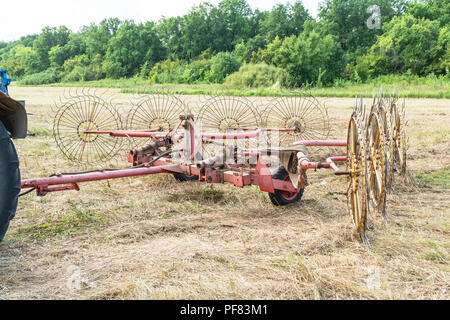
(398, 137)
(81, 114)
(377, 173)
(155, 112)
(385, 115)
(382, 105)
(305, 115)
(357, 195)
(221, 114)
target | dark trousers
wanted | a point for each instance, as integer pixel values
(9, 181)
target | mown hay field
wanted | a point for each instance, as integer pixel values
(155, 238)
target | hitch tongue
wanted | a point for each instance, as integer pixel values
(42, 191)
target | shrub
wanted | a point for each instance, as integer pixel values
(81, 68)
(223, 64)
(310, 58)
(258, 75)
(197, 71)
(48, 76)
(113, 70)
(79, 74)
(166, 71)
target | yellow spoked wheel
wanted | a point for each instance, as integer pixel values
(398, 138)
(377, 172)
(357, 179)
(79, 116)
(382, 106)
(388, 143)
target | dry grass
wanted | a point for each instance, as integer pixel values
(155, 238)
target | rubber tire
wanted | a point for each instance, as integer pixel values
(277, 197)
(9, 181)
(184, 178)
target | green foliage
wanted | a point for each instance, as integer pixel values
(267, 54)
(408, 43)
(113, 69)
(48, 76)
(21, 60)
(211, 42)
(57, 56)
(309, 58)
(196, 31)
(130, 47)
(218, 28)
(439, 178)
(431, 10)
(197, 71)
(284, 21)
(258, 76)
(202, 70)
(170, 33)
(166, 71)
(347, 21)
(81, 68)
(232, 24)
(223, 64)
(49, 38)
(245, 51)
(74, 47)
(72, 222)
(98, 37)
(408, 86)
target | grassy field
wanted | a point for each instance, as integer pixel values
(407, 87)
(155, 238)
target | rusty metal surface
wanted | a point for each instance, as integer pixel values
(14, 116)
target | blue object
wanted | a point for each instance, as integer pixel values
(4, 81)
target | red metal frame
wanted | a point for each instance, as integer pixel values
(237, 174)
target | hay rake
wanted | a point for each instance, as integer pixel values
(266, 148)
(81, 114)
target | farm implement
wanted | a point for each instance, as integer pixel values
(231, 141)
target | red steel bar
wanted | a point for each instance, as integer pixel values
(305, 164)
(266, 129)
(118, 132)
(138, 134)
(313, 165)
(229, 136)
(97, 176)
(150, 134)
(338, 159)
(333, 165)
(321, 143)
(97, 132)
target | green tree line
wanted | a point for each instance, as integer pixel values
(234, 44)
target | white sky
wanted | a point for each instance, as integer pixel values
(22, 17)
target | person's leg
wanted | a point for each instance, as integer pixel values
(9, 181)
